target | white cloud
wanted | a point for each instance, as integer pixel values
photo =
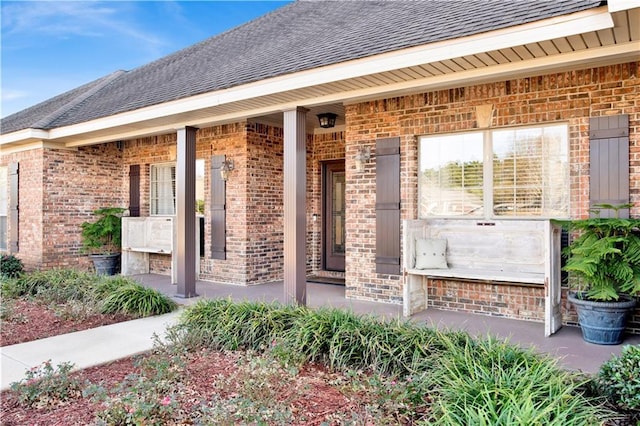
(12, 95)
(62, 19)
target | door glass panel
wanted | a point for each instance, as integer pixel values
(338, 213)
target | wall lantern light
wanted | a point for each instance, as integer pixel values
(327, 120)
(227, 166)
(362, 157)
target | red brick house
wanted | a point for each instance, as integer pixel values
(469, 116)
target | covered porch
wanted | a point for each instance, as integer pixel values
(566, 345)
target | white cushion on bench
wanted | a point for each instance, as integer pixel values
(431, 253)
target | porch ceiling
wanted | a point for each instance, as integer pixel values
(614, 38)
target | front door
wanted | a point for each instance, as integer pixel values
(334, 216)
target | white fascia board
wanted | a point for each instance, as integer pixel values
(587, 21)
(591, 57)
(29, 146)
(26, 135)
(618, 5)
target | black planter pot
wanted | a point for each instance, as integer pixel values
(602, 323)
(106, 264)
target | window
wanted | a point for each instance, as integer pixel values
(4, 207)
(163, 188)
(519, 172)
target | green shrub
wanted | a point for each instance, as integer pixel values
(106, 285)
(45, 386)
(453, 378)
(10, 266)
(223, 324)
(338, 338)
(619, 379)
(9, 288)
(138, 300)
(489, 382)
(58, 285)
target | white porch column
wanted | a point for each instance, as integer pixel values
(186, 212)
(295, 194)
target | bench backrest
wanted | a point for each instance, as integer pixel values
(496, 245)
(155, 232)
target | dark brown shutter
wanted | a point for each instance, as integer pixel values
(388, 206)
(218, 207)
(609, 162)
(14, 213)
(134, 190)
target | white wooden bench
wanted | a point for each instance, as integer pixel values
(144, 235)
(503, 251)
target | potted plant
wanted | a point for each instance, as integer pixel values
(605, 262)
(101, 239)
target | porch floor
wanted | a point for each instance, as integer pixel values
(566, 345)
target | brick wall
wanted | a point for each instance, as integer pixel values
(58, 191)
(264, 180)
(77, 182)
(30, 205)
(571, 97)
(504, 300)
(228, 140)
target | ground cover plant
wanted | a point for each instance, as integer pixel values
(46, 303)
(455, 379)
(256, 363)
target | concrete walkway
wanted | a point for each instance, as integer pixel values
(84, 348)
(103, 344)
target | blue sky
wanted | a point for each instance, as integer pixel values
(49, 47)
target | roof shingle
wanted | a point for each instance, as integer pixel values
(296, 37)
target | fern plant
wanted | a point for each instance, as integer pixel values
(606, 255)
(103, 236)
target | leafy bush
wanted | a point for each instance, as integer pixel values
(45, 386)
(78, 294)
(489, 382)
(104, 235)
(223, 324)
(297, 335)
(10, 266)
(606, 255)
(58, 285)
(108, 284)
(9, 288)
(483, 382)
(619, 379)
(137, 300)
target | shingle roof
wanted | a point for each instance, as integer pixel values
(299, 36)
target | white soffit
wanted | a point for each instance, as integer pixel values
(618, 5)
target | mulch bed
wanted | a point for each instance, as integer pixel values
(30, 320)
(312, 398)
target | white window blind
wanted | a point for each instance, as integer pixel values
(163, 189)
(519, 172)
(451, 175)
